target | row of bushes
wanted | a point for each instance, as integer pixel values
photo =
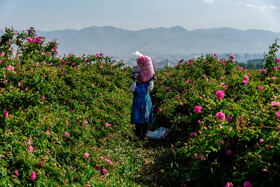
(59, 115)
(224, 121)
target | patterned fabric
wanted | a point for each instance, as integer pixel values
(142, 111)
(145, 67)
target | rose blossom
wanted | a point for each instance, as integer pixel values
(220, 116)
(220, 94)
(10, 67)
(33, 175)
(246, 78)
(30, 40)
(30, 148)
(197, 109)
(38, 39)
(229, 119)
(67, 134)
(229, 152)
(6, 114)
(229, 184)
(247, 184)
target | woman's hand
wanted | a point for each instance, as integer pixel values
(132, 86)
(151, 85)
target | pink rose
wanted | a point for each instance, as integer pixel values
(16, 172)
(220, 116)
(220, 94)
(229, 119)
(33, 175)
(245, 82)
(229, 184)
(6, 114)
(38, 39)
(30, 148)
(247, 184)
(30, 40)
(10, 67)
(277, 60)
(104, 171)
(197, 109)
(229, 152)
(67, 134)
(86, 155)
(232, 57)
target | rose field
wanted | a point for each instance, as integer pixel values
(65, 120)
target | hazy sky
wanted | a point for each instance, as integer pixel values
(46, 15)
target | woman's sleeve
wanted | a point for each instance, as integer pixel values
(132, 86)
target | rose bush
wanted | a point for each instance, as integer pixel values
(208, 149)
(53, 113)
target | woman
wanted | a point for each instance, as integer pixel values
(142, 110)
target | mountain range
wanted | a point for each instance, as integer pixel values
(161, 41)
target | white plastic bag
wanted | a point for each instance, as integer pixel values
(160, 133)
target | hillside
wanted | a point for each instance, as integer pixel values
(161, 41)
(65, 121)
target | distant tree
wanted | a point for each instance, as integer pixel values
(255, 63)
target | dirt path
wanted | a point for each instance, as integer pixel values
(154, 154)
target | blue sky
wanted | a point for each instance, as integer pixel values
(49, 15)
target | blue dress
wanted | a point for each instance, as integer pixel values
(142, 110)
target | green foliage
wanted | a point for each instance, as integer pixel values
(270, 58)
